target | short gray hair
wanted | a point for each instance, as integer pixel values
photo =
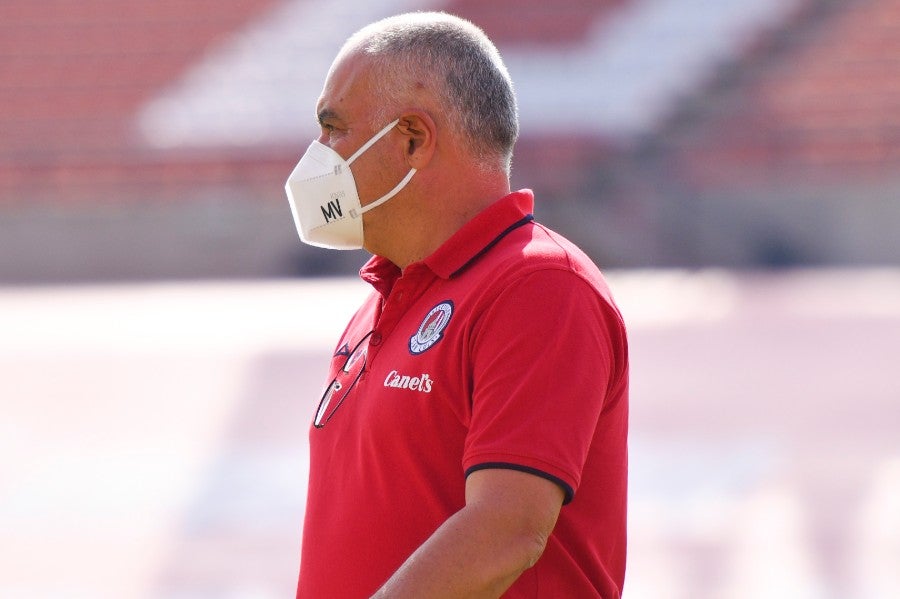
(457, 62)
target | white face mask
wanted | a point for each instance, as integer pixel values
(324, 200)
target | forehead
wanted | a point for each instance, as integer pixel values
(347, 90)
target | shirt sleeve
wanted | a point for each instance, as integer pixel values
(545, 356)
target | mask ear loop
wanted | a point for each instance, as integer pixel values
(355, 213)
(385, 197)
(372, 141)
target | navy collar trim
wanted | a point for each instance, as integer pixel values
(521, 222)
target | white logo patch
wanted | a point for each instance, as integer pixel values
(432, 328)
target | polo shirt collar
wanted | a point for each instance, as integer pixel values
(464, 247)
(481, 233)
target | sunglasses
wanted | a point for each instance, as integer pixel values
(343, 383)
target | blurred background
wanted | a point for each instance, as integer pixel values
(733, 166)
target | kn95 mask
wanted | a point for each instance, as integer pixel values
(324, 200)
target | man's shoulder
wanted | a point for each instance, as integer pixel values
(540, 248)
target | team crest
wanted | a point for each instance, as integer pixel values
(432, 328)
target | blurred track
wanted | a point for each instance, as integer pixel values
(153, 438)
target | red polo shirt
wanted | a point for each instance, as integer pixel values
(503, 349)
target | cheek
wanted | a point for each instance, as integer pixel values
(375, 176)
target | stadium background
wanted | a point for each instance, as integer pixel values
(732, 165)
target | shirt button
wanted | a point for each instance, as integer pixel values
(376, 338)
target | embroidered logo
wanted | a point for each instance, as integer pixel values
(421, 383)
(432, 328)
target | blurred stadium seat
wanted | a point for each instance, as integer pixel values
(655, 132)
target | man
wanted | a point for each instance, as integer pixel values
(472, 439)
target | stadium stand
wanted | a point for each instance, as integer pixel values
(822, 96)
(82, 195)
(560, 23)
(152, 140)
(75, 72)
(792, 154)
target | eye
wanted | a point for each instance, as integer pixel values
(324, 123)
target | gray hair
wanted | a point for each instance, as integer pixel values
(462, 68)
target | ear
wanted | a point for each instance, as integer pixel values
(420, 138)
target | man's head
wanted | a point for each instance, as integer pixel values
(417, 109)
(448, 62)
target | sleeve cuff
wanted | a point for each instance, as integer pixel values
(567, 489)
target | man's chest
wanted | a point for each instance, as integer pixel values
(409, 379)
(417, 372)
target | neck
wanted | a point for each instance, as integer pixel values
(432, 213)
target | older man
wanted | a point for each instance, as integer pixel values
(471, 440)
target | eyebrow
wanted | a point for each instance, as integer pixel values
(325, 114)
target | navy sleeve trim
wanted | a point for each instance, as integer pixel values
(568, 490)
